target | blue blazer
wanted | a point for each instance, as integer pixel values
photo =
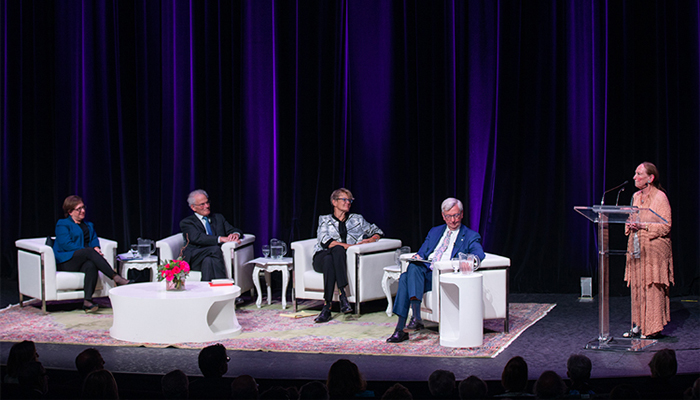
(467, 242)
(69, 238)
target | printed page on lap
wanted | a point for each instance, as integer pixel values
(269, 329)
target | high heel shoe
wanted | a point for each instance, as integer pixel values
(91, 309)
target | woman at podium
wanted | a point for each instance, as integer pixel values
(649, 269)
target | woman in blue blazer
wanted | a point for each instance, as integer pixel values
(77, 249)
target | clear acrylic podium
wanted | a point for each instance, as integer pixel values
(604, 216)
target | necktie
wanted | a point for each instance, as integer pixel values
(443, 246)
(207, 226)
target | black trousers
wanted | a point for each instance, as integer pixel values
(209, 260)
(87, 261)
(332, 263)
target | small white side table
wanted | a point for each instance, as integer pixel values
(267, 264)
(461, 310)
(150, 262)
(391, 274)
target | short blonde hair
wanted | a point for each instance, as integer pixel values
(337, 192)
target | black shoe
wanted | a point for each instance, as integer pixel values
(656, 335)
(345, 306)
(324, 316)
(91, 309)
(414, 325)
(397, 337)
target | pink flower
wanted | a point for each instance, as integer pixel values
(176, 270)
(185, 266)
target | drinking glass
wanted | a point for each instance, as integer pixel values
(266, 250)
(134, 250)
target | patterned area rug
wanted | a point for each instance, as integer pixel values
(266, 329)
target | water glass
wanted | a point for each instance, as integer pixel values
(266, 250)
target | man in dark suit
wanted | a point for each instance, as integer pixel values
(443, 243)
(205, 232)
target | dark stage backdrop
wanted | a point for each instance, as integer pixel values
(522, 109)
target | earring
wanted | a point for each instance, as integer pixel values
(649, 181)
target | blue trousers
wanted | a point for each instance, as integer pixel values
(417, 280)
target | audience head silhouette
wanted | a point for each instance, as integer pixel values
(663, 364)
(313, 390)
(624, 391)
(89, 360)
(514, 375)
(175, 385)
(549, 386)
(344, 379)
(213, 361)
(441, 384)
(100, 384)
(473, 388)
(20, 354)
(398, 392)
(578, 368)
(244, 387)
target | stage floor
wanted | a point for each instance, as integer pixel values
(545, 346)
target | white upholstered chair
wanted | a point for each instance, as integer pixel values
(236, 257)
(365, 263)
(495, 270)
(39, 279)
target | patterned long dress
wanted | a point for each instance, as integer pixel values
(650, 275)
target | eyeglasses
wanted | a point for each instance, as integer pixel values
(206, 203)
(452, 216)
(81, 208)
(345, 199)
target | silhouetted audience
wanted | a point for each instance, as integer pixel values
(397, 392)
(473, 388)
(514, 379)
(662, 383)
(20, 354)
(100, 384)
(693, 392)
(33, 382)
(345, 381)
(549, 386)
(314, 390)
(244, 387)
(213, 362)
(442, 384)
(578, 369)
(175, 385)
(624, 391)
(87, 361)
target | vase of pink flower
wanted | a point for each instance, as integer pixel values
(174, 272)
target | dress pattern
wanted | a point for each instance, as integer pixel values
(650, 275)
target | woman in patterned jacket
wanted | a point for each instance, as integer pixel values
(336, 232)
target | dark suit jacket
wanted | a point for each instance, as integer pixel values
(194, 229)
(467, 242)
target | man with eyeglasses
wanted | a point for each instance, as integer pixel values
(206, 231)
(443, 243)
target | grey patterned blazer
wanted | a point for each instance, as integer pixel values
(358, 229)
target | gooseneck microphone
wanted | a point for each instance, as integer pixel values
(602, 200)
(617, 200)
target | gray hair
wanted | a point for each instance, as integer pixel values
(190, 198)
(451, 202)
(338, 192)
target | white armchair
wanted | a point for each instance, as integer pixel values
(495, 270)
(236, 257)
(39, 279)
(365, 265)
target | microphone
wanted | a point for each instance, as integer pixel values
(617, 200)
(602, 200)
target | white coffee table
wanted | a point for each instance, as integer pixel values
(461, 310)
(267, 264)
(147, 313)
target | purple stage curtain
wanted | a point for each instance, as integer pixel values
(521, 109)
